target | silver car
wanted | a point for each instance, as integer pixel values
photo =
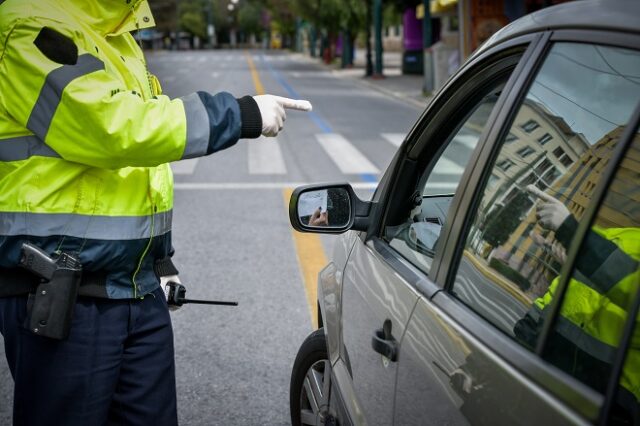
(493, 277)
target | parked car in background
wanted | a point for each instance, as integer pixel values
(493, 278)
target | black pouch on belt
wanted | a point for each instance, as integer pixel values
(50, 308)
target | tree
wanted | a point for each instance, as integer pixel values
(249, 18)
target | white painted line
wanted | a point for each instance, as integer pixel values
(184, 167)
(394, 139)
(265, 157)
(346, 156)
(215, 74)
(470, 141)
(260, 185)
(445, 166)
(202, 59)
(295, 74)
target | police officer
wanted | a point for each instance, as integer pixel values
(85, 138)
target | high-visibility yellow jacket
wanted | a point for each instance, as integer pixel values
(86, 135)
(599, 295)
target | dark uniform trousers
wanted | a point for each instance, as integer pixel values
(116, 368)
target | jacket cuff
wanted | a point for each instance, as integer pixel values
(567, 229)
(251, 118)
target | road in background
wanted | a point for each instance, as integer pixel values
(231, 230)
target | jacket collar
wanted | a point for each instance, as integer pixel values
(111, 17)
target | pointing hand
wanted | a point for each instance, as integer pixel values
(273, 114)
(550, 212)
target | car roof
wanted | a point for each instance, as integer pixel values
(616, 15)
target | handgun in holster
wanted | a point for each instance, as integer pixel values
(50, 308)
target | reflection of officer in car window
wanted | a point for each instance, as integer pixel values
(594, 309)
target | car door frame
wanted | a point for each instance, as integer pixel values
(405, 165)
(576, 396)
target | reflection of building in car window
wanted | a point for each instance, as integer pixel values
(530, 126)
(532, 259)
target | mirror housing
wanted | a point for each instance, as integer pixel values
(357, 211)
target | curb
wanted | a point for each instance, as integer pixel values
(501, 282)
(397, 95)
(361, 81)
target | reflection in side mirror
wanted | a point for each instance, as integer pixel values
(324, 208)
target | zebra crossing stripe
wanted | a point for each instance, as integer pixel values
(445, 166)
(394, 139)
(346, 156)
(265, 157)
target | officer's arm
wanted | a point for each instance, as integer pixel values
(600, 262)
(84, 114)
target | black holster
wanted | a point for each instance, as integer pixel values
(50, 308)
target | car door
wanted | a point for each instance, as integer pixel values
(377, 296)
(514, 337)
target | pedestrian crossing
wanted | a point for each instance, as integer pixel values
(218, 58)
(265, 157)
(346, 156)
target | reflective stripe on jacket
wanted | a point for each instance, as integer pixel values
(84, 143)
(595, 307)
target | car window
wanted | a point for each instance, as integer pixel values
(546, 169)
(416, 238)
(601, 290)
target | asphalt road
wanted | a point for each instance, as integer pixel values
(231, 233)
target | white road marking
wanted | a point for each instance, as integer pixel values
(257, 185)
(445, 166)
(265, 157)
(346, 156)
(168, 79)
(470, 141)
(215, 74)
(394, 139)
(202, 59)
(184, 167)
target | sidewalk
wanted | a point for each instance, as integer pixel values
(405, 87)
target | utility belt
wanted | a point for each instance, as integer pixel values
(53, 284)
(19, 282)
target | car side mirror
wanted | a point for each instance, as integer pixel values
(327, 209)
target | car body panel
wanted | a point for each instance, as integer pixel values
(449, 377)
(330, 293)
(372, 293)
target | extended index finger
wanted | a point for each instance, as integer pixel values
(299, 105)
(538, 193)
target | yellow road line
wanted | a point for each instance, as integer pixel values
(311, 259)
(309, 250)
(254, 75)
